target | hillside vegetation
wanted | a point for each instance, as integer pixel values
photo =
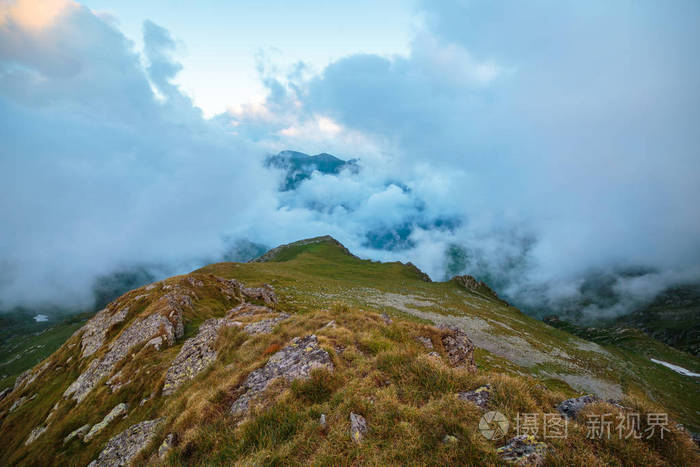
(338, 361)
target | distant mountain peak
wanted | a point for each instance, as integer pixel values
(300, 166)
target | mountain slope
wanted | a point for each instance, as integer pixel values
(215, 367)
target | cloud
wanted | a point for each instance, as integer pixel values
(536, 146)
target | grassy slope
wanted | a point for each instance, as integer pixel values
(382, 373)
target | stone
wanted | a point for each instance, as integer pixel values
(434, 355)
(571, 407)
(17, 404)
(427, 343)
(386, 318)
(523, 450)
(197, 354)
(358, 427)
(474, 285)
(35, 433)
(290, 363)
(479, 396)
(24, 379)
(96, 329)
(166, 445)
(266, 293)
(79, 433)
(329, 324)
(247, 309)
(322, 421)
(4, 393)
(167, 322)
(265, 326)
(449, 439)
(118, 410)
(460, 350)
(122, 448)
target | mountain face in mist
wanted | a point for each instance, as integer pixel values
(311, 355)
(299, 166)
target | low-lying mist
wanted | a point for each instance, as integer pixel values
(563, 176)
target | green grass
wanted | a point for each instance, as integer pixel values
(381, 371)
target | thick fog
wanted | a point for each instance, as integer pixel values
(549, 148)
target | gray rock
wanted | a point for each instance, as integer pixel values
(36, 432)
(197, 354)
(329, 324)
(449, 439)
(266, 293)
(18, 403)
(434, 355)
(79, 433)
(479, 396)
(4, 393)
(322, 421)
(460, 350)
(292, 362)
(358, 427)
(523, 450)
(246, 309)
(167, 322)
(386, 318)
(265, 326)
(427, 343)
(118, 410)
(571, 407)
(166, 445)
(122, 448)
(96, 329)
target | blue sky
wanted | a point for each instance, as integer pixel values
(547, 141)
(219, 41)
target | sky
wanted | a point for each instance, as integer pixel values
(543, 146)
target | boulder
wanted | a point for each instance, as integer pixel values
(36, 432)
(386, 318)
(523, 450)
(79, 433)
(18, 403)
(571, 407)
(265, 326)
(166, 445)
(358, 427)
(122, 448)
(479, 396)
(460, 350)
(96, 329)
(118, 410)
(197, 354)
(167, 323)
(292, 362)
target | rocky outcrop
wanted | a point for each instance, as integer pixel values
(358, 427)
(166, 323)
(459, 349)
(4, 393)
(265, 293)
(36, 432)
(292, 362)
(18, 403)
(117, 411)
(25, 379)
(472, 284)
(480, 396)
(166, 445)
(265, 326)
(121, 449)
(571, 407)
(96, 329)
(79, 433)
(197, 353)
(523, 450)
